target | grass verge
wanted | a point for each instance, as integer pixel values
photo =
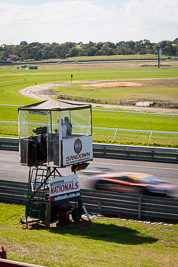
(12, 80)
(101, 242)
(116, 120)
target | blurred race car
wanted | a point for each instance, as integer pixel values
(136, 183)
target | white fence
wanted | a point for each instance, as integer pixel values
(133, 112)
(129, 130)
(112, 111)
(114, 130)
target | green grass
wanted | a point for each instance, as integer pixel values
(112, 57)
(114, 120)
(135, 122)
(90, 58)
(117, 95)
(13, 80)
(101, 242)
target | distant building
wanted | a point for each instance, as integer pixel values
(12, 58)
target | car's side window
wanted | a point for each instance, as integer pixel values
(120, 178)
(126, 179)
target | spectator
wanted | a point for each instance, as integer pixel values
(64, 129)
(68, 125)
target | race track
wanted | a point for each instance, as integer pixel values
(11, 170)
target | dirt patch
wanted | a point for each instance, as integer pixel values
(40, 91)
(146, 82)
(155, 66)
(44, 92)
(115, 84)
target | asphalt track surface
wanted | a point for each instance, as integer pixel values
(11, 169)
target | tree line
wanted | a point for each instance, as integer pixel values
(42, 51)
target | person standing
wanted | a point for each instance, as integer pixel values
(68, 125)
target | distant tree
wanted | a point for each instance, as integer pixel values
(46, 52)
(6, 51)
(74, 52)
(120, 43)
(124, 50)
(108, 49)
(35, 44)
(23, 43)
(111, 45)
(69, 45)
(63, 50)
(168, 48)
(39, 51)
(131, 45)
(92, 51)
(99, 45)
(91, 43)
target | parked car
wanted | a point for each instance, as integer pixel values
(134, 183)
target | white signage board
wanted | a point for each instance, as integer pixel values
(63, 189)
(76, 150)
(160, 52)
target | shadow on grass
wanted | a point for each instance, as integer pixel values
(108, 233)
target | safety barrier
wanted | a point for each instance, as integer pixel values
(9, 143)
(169, 155)
(145, 153)
(106, 203)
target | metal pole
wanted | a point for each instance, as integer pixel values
(140, 208)
(115, 135)
(150, 137)
(158, 59)
(159, 55)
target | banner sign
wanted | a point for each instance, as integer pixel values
(77, 150)
(64, 189)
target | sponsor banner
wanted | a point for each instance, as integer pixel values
(64, 189)
(65, 198)
(77, 150)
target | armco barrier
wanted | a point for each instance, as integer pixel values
(104, 202)
(8, 143)
(169, 155)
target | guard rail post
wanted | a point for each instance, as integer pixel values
(115, 134)
(150, 137)
(140, 208)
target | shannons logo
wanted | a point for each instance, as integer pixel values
(77, 146)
